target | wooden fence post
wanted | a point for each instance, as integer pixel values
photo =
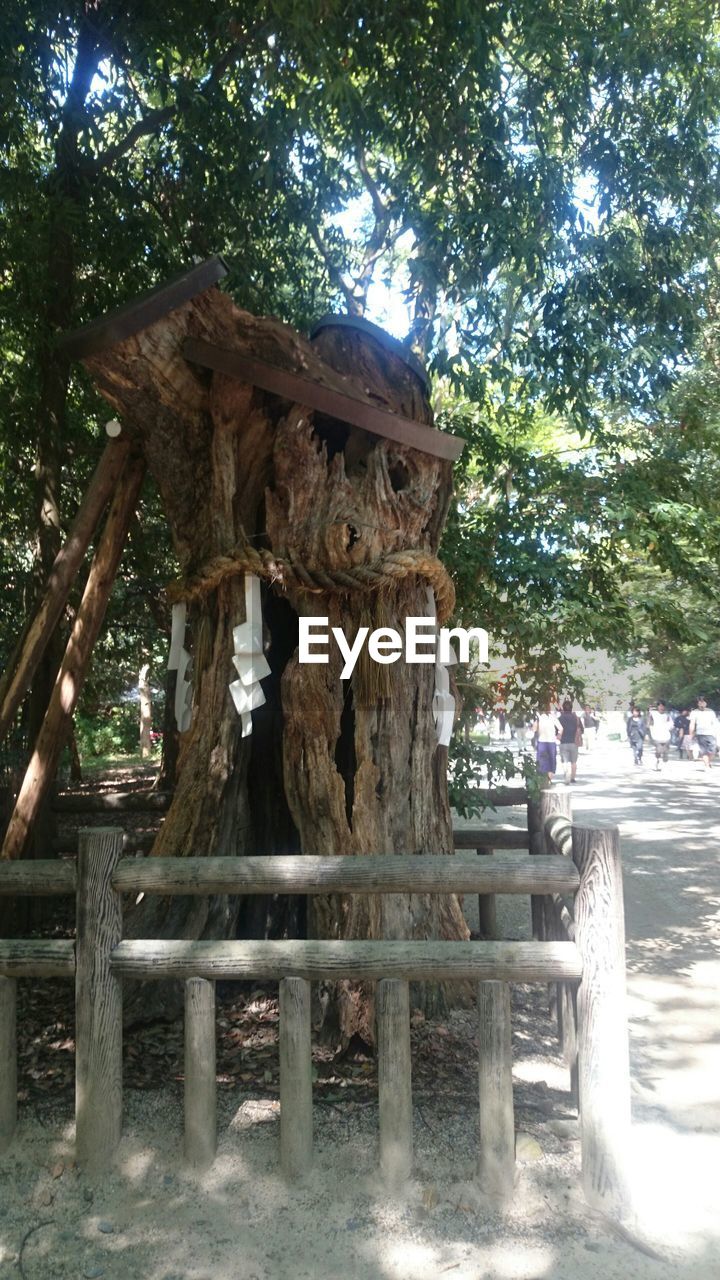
(200, 1082)
(487, 908)
(603, 1053)
(98, 999)
(496, 1163)
(394, 1079)
(8, 1060)
(296, 1126)
(548, 802)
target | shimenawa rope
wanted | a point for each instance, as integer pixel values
(287, 569)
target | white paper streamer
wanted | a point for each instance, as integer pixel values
(184, 692)
(251, 667)
(179, 660)
(443, 701)
(248, 659)
(177, 636)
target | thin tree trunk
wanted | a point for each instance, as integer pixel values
(65, 199)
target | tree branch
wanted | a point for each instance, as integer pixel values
(355, 306)
(380, 209)
(155, 119)
(142, 128)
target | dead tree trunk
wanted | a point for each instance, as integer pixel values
(363, 775)
(336, 768)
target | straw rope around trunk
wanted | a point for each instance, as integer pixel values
(282, 570)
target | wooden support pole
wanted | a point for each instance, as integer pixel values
(98, 1000)
(603, 1053)
(496, 1163)
(487, 908)
(296, 1126)
(547, 803)
(200, 1082)
(34, 640)
(8, 1061)
(394, 1080)
(56, 725)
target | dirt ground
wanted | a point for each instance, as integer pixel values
(155, 1219)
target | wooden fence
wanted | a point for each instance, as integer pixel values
(589, 951)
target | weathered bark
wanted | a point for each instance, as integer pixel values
(208, 447)
(363, 777)
(333, 769)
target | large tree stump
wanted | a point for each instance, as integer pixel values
(363, 776)
(334, 769)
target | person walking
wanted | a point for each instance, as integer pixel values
(570, 740)
(660, 727)
(682, 729)
(590, 726)
(547, 732)
(704, 726)
(636, 731)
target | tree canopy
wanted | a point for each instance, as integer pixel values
(538, 179)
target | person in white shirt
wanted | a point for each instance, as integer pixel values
(547, 731)
(704, 726)
(660, 727)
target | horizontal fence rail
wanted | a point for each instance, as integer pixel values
(417, 961)
(37, 878)
(37, 958)
(491, 838)
(373, 874)
(466, 838)
(113, 802)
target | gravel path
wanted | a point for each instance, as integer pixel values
(670, 832)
